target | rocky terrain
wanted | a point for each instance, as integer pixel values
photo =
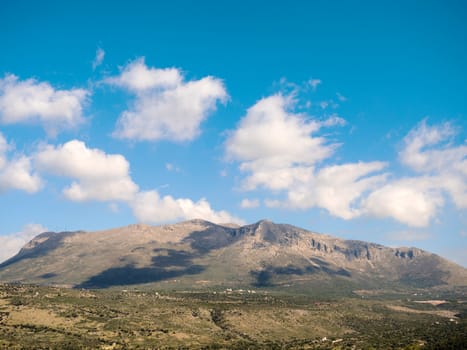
(198, 254)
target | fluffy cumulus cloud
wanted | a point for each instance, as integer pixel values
(413, 201)
(440, 172)
(98, 176)
(428, 149)
(165, 106)
(16, 171)
(431, 150)
(30, 101)
(137, 77)
(12, 243)
(338, 188)
(150, 207)
(275, 146)
(281, 151)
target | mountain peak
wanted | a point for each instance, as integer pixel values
(268, 231)
(200, 253)
(198, 221)
(265, 221)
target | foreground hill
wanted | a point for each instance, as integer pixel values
(200, 254)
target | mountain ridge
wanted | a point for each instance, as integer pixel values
(198, 254)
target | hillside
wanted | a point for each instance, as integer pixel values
(199, 254)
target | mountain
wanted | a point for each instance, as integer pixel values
(200, 254)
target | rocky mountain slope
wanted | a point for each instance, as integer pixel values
(200, 254)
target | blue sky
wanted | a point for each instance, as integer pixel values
(347, 118)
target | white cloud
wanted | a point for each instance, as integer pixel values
(150, 207)
(430, 150)
(421, 155)
(30, 101)
(274, 178)
(100, 176)
(166, 106)
(338, 188)
(3, 149)
(455, 184)
(12, 243)
(441, 171)
(99, 58)
(102, 190)
(413, 201)
(275, 145)
(249, 203)
(16, 173)
(279, 151)
(137, 77)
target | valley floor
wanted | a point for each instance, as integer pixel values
(33, 317)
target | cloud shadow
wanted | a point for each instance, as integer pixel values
(167, 264)
(264, 277)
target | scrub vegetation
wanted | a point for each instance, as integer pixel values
(34, 317)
